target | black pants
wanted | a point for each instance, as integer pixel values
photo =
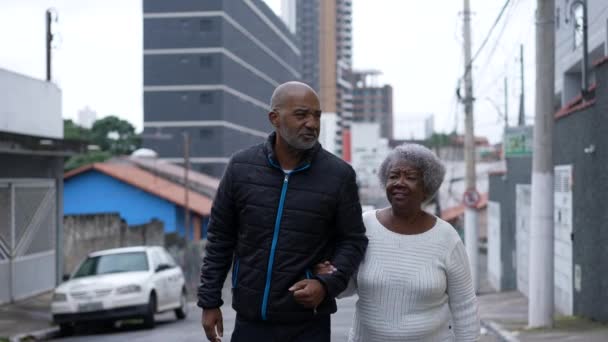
(317, 330)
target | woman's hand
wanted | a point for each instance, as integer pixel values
(324, 268)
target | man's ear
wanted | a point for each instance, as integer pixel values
(273, 117)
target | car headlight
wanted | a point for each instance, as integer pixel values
(128, 289)
(59, 297)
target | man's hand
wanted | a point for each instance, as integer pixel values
(324, 268)
(211, 319)
(308, 292)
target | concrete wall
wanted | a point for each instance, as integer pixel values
(574, 133)
(84, 234)
(19, 113)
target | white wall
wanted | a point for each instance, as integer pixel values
(368, 151)
(327, 136)
(29, 106)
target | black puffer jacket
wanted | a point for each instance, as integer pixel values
(274, 227)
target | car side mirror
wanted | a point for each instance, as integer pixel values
(161, 267)
(66, 277)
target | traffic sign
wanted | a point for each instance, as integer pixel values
(471, 198)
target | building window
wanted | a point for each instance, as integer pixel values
(578, 26)
(205, 133)
(205, 61)
(206, 98)
(206, 25)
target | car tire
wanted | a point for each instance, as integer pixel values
(182, 311)
(66, 329)
(149, 322)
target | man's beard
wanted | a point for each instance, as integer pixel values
(295, 142)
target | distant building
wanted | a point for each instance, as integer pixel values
(368, 151)
(324, 33)
(372, 102)
(32, 154)
(210, 68)
(327, 136)
(568, 36)
(87, 117)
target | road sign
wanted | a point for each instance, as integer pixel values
(471, 198)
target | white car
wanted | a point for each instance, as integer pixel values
(118, 284)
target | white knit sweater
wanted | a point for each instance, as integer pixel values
(414, 287)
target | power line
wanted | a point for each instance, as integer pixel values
(487, 38)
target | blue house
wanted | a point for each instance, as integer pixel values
(137, 195)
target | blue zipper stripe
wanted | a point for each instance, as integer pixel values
(235, 273)
(308, 274)
(275, 236)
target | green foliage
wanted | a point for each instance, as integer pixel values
(111, 135)
(86, 159)
(115, 135)
(439, 140)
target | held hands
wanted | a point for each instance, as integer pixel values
(211, 319)
(324, 268)
(308, 292)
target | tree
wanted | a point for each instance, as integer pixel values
(115, 136)
(73, 131)
(111, 136)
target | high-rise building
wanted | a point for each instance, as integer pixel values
(87, 117)
(210, 68)
(373, 103)
(324, 33)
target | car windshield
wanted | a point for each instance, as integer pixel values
(113, 263)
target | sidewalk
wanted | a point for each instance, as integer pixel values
(26, 317)
(506, 314)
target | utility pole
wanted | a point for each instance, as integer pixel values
(540, 310)
(522, 104)
(186, 185)
(506, 103)
(470, 214)
(48, 44)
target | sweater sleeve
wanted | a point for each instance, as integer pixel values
(461, 294)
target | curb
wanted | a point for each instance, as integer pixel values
(38, 335)
(497, 330)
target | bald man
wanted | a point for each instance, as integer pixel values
(282, 207)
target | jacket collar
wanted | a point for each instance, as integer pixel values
(271, 156)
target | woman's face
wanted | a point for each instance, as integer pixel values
(405, 185)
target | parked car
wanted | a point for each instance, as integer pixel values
(118, 284)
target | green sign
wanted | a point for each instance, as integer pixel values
(518, 141)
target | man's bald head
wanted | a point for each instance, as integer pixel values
(288, 90)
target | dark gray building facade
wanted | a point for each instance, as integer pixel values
(580, 141)
(209, 70)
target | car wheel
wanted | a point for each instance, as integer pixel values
(66, 329)
(149, 322)
(182, 311)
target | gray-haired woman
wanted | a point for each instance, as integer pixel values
(414, 283)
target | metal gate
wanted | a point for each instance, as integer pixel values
(27, 238)
(494, 246)
(522, 233)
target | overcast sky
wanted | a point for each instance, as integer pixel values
(416, 44)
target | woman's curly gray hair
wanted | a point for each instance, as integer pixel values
(420, 157)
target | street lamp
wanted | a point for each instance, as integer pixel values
(585, 66)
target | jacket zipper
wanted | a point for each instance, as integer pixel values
(275, 236)
(235, 273)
